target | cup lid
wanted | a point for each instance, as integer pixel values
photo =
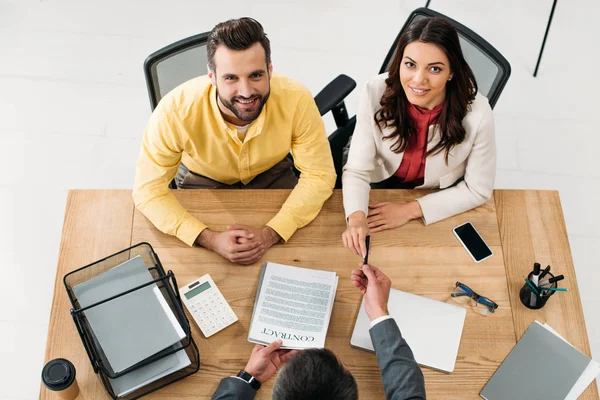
(58, 374)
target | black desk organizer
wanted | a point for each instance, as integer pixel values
(168, 287)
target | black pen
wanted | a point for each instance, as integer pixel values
(544, 272)
(368, 244)
(552, 280)
(366, 258)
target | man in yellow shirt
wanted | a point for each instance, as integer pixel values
(233, 129)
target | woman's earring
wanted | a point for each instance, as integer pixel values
(449, 79)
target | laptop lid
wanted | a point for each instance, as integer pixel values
(431, 328)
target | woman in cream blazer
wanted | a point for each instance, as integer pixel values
(428, 76)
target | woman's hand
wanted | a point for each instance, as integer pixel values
(354, 237)
(387, 215)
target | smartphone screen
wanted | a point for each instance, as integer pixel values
(473, 242)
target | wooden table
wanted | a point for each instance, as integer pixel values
(521, 227)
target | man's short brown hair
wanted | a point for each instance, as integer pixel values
(237, 34)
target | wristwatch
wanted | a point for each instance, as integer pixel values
(252, 381)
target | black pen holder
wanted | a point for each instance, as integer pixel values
(532, 300)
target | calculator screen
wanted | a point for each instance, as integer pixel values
(197, 290)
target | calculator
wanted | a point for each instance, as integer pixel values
(204, 301)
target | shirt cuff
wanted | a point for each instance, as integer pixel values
(380, 319)
(283, 226)
(424, 209)
(189, 230)
(351, 211)
(237, 377)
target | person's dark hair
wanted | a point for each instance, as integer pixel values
(314, 374)
(460, 91)
(237, 34)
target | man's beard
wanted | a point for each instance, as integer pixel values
(249, 114)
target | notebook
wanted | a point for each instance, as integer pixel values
(132, 327)
(149, 373)
(431, 328)
(542, 365)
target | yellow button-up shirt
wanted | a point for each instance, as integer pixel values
(188, 127)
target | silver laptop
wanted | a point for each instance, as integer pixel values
(431, 328)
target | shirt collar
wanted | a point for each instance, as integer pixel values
(423, 111)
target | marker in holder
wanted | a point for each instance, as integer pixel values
(534, 297)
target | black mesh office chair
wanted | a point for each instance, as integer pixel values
(181, 61)
(491, 69)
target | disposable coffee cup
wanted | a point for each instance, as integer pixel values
(58, 376)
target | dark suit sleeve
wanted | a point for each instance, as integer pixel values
(231, 388)
(402, 378)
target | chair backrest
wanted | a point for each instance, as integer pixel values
(175, 64)
(491, 69)
(186, 59)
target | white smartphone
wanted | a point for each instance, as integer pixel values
(473, 242)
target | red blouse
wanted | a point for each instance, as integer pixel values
(412, 167)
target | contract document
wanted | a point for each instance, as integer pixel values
(293, 304)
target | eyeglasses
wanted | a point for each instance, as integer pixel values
(463, 294)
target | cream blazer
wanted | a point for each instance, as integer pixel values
(371, 160)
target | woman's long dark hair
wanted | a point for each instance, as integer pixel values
(460, 91)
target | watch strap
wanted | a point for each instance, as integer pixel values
(252, 381)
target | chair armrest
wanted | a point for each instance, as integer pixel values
(332, 94)
(331, 98)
